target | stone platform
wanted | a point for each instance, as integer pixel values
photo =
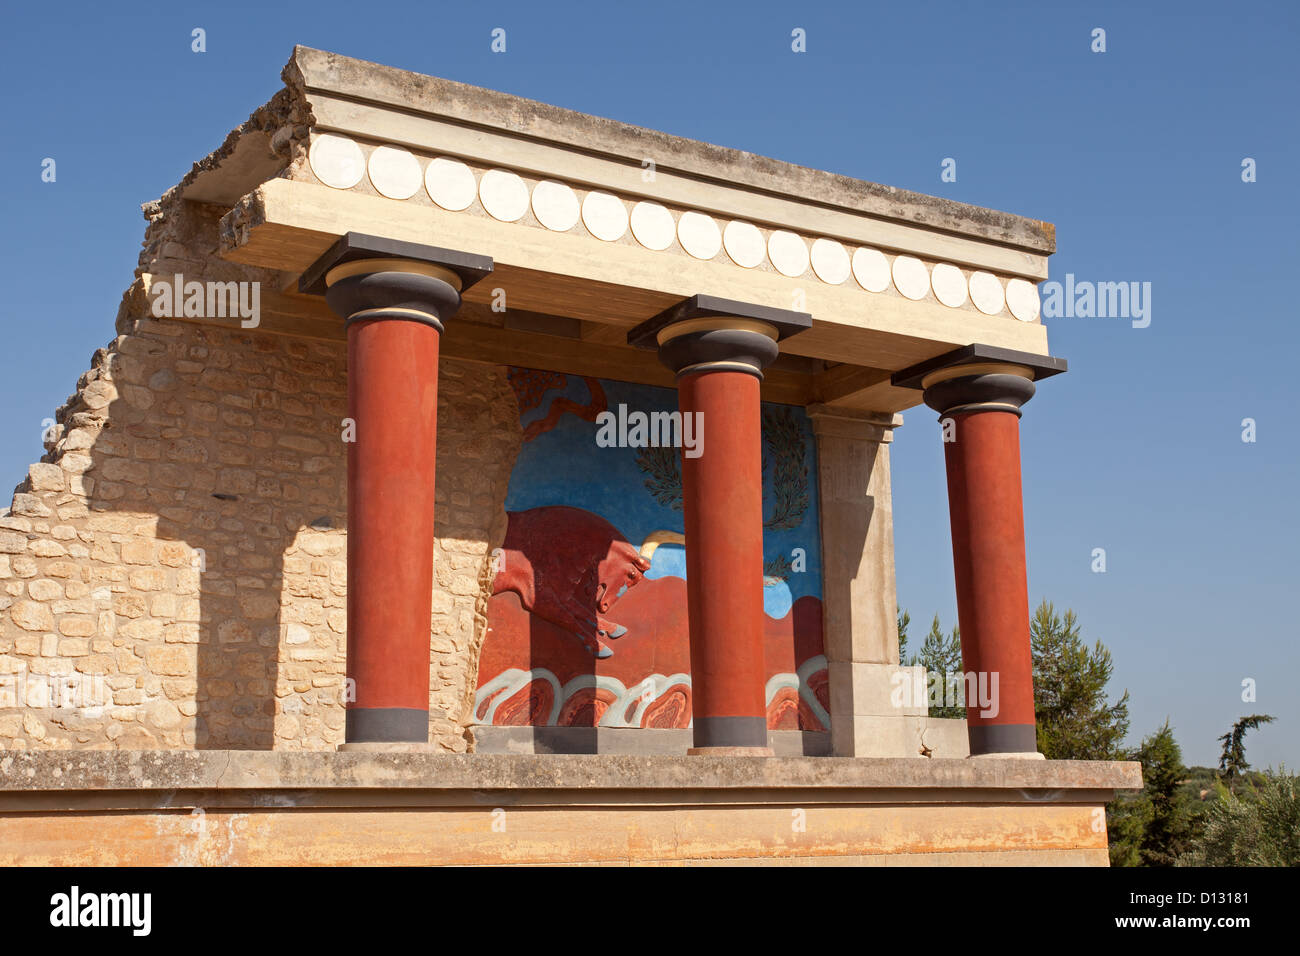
(122, 808)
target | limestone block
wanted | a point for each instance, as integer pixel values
(32, 616)
(881, 690)
(45, 477)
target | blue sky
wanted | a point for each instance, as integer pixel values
(1135, 154)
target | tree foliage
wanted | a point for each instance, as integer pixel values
(940, 655)
(1257, 827)
(1075, 719)
(1250, 820)
(1156, 826)
(1232, 761)
(904, 619)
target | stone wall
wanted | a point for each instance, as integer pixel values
(174, 571)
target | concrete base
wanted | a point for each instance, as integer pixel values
(388, 747)
(169, 808)
(897, 736)
(729, 752)
(880, 710)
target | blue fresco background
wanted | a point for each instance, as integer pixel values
(565, 466)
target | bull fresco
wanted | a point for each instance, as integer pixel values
(587, 622)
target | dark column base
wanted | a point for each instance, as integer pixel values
(730, 732)
(1002, 739)
(386, 725)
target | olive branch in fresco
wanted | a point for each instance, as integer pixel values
(664, 475)
(783, 441)
(783, 444)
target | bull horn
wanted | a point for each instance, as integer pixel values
(656, 538)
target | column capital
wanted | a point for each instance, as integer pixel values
(709, 334)
(369, 278)
(979, 378)
(355, 246)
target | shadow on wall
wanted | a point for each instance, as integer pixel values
(214, 475)
(219, 449)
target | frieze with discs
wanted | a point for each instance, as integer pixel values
(396, 173)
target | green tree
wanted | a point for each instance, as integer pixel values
(1232, 762)
(940, 655)
(1259, 827)
(904, 619)
(1075, 719)
(1170, 824)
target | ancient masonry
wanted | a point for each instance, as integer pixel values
(188, 448)
(415, 300)
(174, 567)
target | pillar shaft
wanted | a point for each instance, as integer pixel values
(978, 391)
(722, 496)
(393, 399)
(718, 348)
(988, 549)
(395, 297)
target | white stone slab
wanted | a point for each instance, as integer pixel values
(450, 183)
(555, 205)
(503, 194)
(394, 172)
(604, 215)
(653, 226)
(337, 161)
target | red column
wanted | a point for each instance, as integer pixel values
(393, 400)
(988, 548)
(980, 414)
(395, 297)
(718, 349)
(722, 496)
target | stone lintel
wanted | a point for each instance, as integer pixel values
(361, 88)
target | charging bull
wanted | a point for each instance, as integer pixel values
(569, 567)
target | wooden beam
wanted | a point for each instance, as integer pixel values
(477, 334)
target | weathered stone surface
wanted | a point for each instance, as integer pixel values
(170, 659)
(277, 807)
(462, 103)
(45, 477)
(12, 542)
(31, 616)
(45, 590)
(153, 579)
(1020, 780)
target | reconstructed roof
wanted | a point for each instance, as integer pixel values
(587, 246)
(312, 73)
